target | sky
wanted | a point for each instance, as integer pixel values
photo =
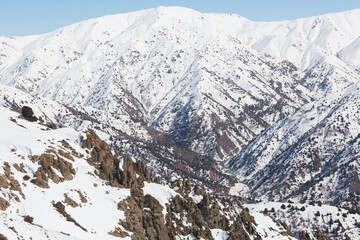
(25, 17)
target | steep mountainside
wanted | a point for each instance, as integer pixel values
(65, 184)
(201, 85)
(350, 54)
(312, 155)
(184, 91)
(164, 158)
(303, 41)
(313, 44)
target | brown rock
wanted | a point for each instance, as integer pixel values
(2, 237)
(133, 174)
(118, 233)
(61, 209)
(100, 154)
(3, 183)
(48, 162)
(4, 204)
(303, 235)
(69, 201)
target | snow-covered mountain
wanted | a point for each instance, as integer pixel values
(312, 155)
(185, 91)
(68, 184)
(350, 54)
(177, 70)
(187, 73)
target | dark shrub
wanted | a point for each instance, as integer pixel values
(28, 219)
(28, 113)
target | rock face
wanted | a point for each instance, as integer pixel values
(121, 170)
(207, 214)
(133, 174)
(101, 155)
(184, 217)
(4, 204)
(144, 216)
(48, 162)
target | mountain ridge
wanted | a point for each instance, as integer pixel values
(185, 89)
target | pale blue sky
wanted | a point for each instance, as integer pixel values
(25, 17)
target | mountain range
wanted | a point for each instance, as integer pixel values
(247, 110)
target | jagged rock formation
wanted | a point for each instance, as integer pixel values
(144, 213)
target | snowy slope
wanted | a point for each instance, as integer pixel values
(142, 67)
(173, 67)
(19, 141)
(338, 223)
(312, 155)
(350, 54)
(302, 41)
(181, 90)
(72, 199)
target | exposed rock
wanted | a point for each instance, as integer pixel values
(3, 182)
(8, 180)
(4, 204)
(28, 114)
(320, 235)
(207, 214)
(144, 216)
(133, 174)
(82, 197)
(69, 201)
(101, 155)
(20, 167)
(61, 209)
(49, 162)
(304, 235)
(2, 237)
(28, 219)
(118, 233)
(153, 220)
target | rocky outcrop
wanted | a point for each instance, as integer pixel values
(101, 155)
(320, 235)
(28, 114)
(61, 209)
(208, 214)
(4, 204)
(129, 175)
(133, 174)
(8, 181)
(144, 217)
(48, 162)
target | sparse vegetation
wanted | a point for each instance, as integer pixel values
(28, 114)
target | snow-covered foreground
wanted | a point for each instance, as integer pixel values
(97, 211)
(50, 189)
